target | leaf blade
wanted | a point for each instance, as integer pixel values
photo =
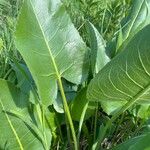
(46, 32)
(17, 135)
(127, 76)
(12, 127)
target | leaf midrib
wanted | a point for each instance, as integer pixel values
(141, 93)
(46, 42)
(12, 127)
(50, 53)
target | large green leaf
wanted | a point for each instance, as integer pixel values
(51, 46)
(15, 135)
(127, 76)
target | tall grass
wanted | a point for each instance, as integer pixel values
(106, 15)
(9, 10)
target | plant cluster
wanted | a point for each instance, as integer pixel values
(74, 74)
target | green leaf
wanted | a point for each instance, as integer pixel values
(127, 77)
(119, 38)
(51, 118)
(137, 143)
(51, 46)
(137, 19)
(24, 80)
(98, 52)
(111, 107)
(33, 127)
(78, 105)
(14, 133)
(142, 111)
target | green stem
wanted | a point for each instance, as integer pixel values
(68, 133)
(66, 108)
(81, 121)
(8, 72)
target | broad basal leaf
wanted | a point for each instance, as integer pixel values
(14, 134)
(127, 76)
(51, 46)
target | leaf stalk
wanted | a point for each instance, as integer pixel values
(66, 108)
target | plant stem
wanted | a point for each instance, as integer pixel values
(68, 132)
(81, 122)
(66, 108)
(8, 72)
